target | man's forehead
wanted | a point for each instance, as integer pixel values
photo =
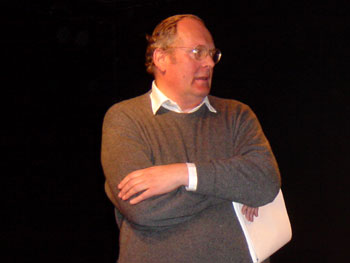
(189, 29)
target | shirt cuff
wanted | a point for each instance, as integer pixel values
(192, 177)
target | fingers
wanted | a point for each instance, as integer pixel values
(131, 185)
(138, 185)
(244, 210)
(250, 212)
(131, 190)
(256, 211)
(145, 183)
(146, 194)
(127, 179)
(253, 213)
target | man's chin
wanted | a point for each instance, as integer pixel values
(202, 87)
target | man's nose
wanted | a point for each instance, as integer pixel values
(208, 61)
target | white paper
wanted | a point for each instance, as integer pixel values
(270, 231)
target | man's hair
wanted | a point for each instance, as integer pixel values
(163, 36)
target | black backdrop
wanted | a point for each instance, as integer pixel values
(67, 62)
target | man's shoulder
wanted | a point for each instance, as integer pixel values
(132, 105)
(224, 104)
(230, 109)
(133, 109)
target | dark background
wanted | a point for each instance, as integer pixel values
(67, 62)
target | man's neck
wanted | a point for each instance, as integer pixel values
(185, 104)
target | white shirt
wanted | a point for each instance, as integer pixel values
(158, 99)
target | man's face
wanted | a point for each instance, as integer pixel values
(189, 78)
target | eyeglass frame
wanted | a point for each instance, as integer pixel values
(211, 52)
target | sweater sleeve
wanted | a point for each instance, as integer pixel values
(124, 150)
(251, 175)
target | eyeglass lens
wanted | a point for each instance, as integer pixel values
(201, 53)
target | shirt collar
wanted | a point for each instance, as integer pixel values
(159, 99)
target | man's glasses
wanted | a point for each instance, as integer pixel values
(201, 52)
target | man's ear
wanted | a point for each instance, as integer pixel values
(159, 59)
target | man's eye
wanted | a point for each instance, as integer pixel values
(198, 52)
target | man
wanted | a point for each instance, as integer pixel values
(175, 158)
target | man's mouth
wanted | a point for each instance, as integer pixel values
(203, 78)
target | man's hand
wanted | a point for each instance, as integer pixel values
(153, 181)
(250, 212)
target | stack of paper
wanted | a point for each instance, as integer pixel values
(270, 231)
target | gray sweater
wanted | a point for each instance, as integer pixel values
(234, 163)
